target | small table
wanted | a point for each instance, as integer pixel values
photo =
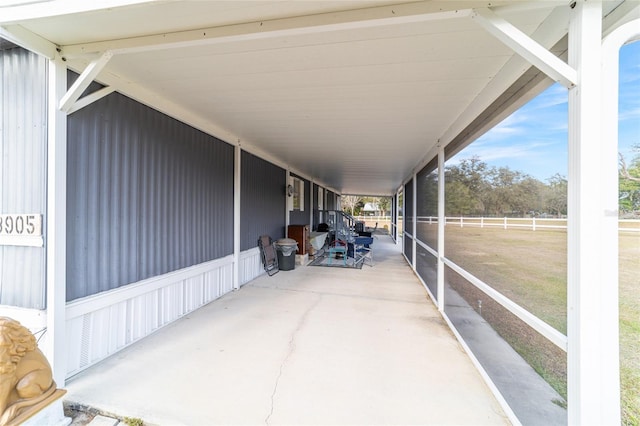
(335, 249)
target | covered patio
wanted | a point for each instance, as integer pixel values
(314, 345)
(156, 141)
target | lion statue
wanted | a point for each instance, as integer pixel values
(25, 374)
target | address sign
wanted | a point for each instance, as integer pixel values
(21, 229)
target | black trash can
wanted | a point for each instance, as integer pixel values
(286, 248)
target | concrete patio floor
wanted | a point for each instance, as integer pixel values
(314, 345)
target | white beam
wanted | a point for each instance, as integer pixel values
(523, 6)
(593, 379)
(626, 12)
(30, 41)
(545, 330)
(526, 47)
(284, 27)
(84, 80)
(90, 98)
(548, 34)
(56, 246)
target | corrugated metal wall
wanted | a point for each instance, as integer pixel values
(331, 201)
(263, 200)
(301, 217)
(23, 138)
(316, 214)
(147, 195)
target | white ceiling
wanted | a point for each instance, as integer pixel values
(352, 94)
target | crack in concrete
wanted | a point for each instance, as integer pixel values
(412, 301)
(292, 348)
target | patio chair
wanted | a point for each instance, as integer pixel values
(268, 254)
(362, 251)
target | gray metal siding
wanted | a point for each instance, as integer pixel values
(147, 195)
(23, 138)
(263, 200)
(298, 217)
(315, 201)
(331, 201)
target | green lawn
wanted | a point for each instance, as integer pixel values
(530, 268)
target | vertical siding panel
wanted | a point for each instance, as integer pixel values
(331, 200)
(263, 200)
(23, 134)
(159, 195)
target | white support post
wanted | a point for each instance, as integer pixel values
(414, 221)
(441, 221)
(404, 218)
(393, 228)
(398, 207)
(593, 370)
(56, 239)
(288, 204)
(237, 176)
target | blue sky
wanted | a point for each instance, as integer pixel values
(533, 139)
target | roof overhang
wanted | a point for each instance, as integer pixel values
(356, 95)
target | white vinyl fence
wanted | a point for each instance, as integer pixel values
(533, 223)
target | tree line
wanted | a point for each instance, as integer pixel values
(629, 185)
(473, 188)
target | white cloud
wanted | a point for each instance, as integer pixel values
(554, 96)
(491, 152)
(629, 114)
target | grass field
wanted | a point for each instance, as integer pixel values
(530, 268)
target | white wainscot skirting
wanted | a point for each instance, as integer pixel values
(100, 325)
(250, 265)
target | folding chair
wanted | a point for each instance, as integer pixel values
(269, 255)
(362, 250)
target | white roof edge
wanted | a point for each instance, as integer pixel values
(21, 10)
